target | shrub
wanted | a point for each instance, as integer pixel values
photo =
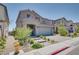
(2, 43)
(22, 34)
(13, 33)
(43, 37)
(52, 41)
(77, 29)
(31, 41)
(21, 41)
(48, 39)
(74, 34)
(62, 31)
(37, 45)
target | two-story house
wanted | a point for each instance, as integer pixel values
(4, 21)
(68, 24)
(41, 25)
(38, 24)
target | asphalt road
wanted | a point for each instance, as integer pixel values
(74, 52)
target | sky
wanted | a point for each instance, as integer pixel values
(51, 11)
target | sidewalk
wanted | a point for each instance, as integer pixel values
(9, 45)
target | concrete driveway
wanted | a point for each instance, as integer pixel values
(58, 38)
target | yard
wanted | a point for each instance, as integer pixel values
(55, 39)
(27, 43)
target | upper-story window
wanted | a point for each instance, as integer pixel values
(0, 26)
(28, 15)
(38, 18)
(43, 22)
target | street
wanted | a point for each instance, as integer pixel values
(74, 52)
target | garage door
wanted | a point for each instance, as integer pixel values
(44, 31)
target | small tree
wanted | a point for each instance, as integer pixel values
(77, 29)
(22, 34)
(62, 31)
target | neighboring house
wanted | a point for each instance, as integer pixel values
(39, 25)
(4, 21)
(69, 25)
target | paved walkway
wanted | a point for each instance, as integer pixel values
(9, 45)
(26, 47)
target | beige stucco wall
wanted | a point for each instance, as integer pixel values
(4, 22)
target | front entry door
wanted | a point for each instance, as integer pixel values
(33, 29)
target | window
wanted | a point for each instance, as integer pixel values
(28, 15)
(36, 17)
(0, 26)
(71, 25)
(43, 22)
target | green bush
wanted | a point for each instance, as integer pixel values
(52, 41)
(13, 32)
(48, 39)
(74, 34)
(2, 43)
(31, 41)
(37, 45)
(43, 37)
(22, 34)
(77, 28)
(62, 31)
(21, 41)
